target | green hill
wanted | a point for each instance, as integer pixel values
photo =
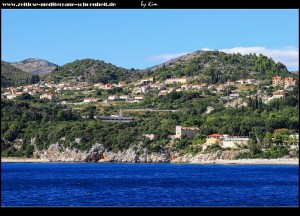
(215, 66)
(90, 70)
(12, 76)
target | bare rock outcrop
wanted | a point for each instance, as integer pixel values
(98, 153)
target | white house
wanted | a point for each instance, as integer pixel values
(124, 97)
(90, 100)
(113, 97)
(48, 96)
(139, 97)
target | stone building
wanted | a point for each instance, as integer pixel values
(189, 131)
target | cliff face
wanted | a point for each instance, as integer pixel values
(98, 154)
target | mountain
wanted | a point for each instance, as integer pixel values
(12, 76)
(90, 70)
(182, 58)
(35, 66)
(217, 66)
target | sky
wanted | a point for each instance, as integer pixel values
(142, 38)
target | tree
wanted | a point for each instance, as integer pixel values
(25, 96)
(29, 150)
(98, 92)
(253, 147)
(260, 104)
(54, 112)
(91, 111)
(267, 140)
(35, 79)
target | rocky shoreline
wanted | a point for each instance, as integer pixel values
(291, 161)
(55, 153)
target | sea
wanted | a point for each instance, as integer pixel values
(148, 185)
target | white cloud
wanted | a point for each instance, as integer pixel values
(289, 56)
(167, 57)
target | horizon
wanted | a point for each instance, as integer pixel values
(141, 39)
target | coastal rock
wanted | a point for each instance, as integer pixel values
(97, 153)
(208, 157)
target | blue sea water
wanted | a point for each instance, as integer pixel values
(111, 184)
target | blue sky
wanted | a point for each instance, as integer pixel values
(143, 38)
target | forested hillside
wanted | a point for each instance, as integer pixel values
(218, 67)
(90, 70)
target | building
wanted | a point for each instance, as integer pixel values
(158, 85)
(229, 83)
(234, 141)
(163, 93)
(11, 96)
(182, 80)
(283, 82)
(276, 81)
(116, 118)
(50, 85)
(234, 95)
(48, 96)
(106, 86)
(139, 97)
(113, 97)
(220, 87)
(226, 141)
(189, 131)
(213, 139)
(289, 81)
(90, 100)
(251, 81)
(279, 94)
(147, 80)
(124, 97)
(121, 84)
(295, 141)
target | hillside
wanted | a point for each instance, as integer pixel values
(90, 70)
(184, 58)
(215, 66)
(12, 76)
(35, 66)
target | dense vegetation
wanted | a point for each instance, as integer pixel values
(89, 70)
(219, 67)
(12, 76)
(28, 118)
(48, 123)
